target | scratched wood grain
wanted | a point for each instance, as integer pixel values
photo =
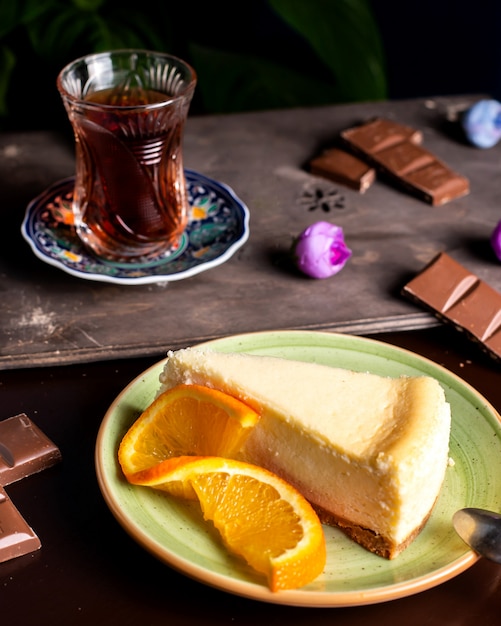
(49, 317)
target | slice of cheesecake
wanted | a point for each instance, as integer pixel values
(369, 452)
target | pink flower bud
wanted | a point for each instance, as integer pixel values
(320, 250)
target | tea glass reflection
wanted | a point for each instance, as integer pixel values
(128, 110)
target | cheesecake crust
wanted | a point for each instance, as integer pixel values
(367, 538)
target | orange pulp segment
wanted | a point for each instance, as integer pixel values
(260, 516)
(186, 420)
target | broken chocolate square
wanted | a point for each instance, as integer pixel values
(344, 168)
(459, 297)
(24, 449)
(16, 537)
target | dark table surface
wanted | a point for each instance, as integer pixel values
(48, 317)
(89, 571)
(70, 346)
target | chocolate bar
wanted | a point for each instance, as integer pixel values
(458, 297)
(395, 150)
(24, 449)
(16, 537)
(344, 168)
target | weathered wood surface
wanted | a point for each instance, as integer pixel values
(50, 317)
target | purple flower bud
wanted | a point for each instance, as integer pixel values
(320, 250)
(496, 240)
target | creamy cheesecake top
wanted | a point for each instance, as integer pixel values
(361, 413)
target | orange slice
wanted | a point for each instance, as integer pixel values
(260, 516)
(186, 420)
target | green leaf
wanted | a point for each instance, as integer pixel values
(32, 9)
(229, 82)
(14, 13)
(88, 5)
(345, 36)
(10, 16)
(53, 35)
(67, 30)
(133, 29)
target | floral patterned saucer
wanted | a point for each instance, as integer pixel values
(218, 226)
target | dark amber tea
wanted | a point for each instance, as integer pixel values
(130, 199)
(123, 96)
(128, 153)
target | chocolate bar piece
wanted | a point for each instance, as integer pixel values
(460, 298)
(16, 537)
(395, 150)
(344, 168)
(404, 157)
(436, 183)
(24, 449)
(380, 134)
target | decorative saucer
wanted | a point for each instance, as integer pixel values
(217, 227)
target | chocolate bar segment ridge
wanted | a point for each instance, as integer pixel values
(404, 157)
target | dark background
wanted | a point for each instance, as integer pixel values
(441, 47)
(430, 47)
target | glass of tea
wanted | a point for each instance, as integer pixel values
(128, 109)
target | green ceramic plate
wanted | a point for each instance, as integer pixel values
(176, 534)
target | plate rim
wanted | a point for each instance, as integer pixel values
(148, 279)
(299, 597)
